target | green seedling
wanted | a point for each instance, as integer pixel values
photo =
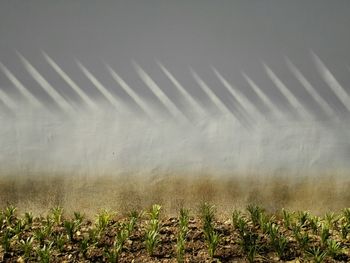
(315, 224)
(56, 214)
(60, 241)
(287, 218)
(346, 215)
(83, 246)
(316, 254)
(40, 235)
(6, 241)
(249, 243)
(152, 239)
(28, 216)
(9, 214)
(181, 237)
(325, 234)
(78, 218)
(211, 236)
(103, 219)
(255, 213)
(303, 216)
(155, 211)
(345, 230)
(333, 248)
(44, 253)
(27, 247)
(70, 227)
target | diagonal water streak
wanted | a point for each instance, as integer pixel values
(7, 100)
(267, 101)
(169, 105)
(148, 111)
(212, 96)
(194, 104)
(285, 91)
(24, 91)
(61, 101)
(242, 100)
(111, 99)
(70, 82)
(332, 82)
(310, 89)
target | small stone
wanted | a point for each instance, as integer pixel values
(20, 260)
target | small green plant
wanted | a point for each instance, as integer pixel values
(44, 253)
(152, 233)
(40, 235)
(303, 239)
(78, 218)
(103, 219)
(287, 218)
(346, 215)
(152, 239)
(325, 234)
(155, 211)
(27, 247)
(182, 233)
(9, 214)
(60, 241)
(211, 236)
(249, 243)
(331, 219)
(316, 254)
(255, 213)
(56, 214)
(6, 241)
(180, 247)
(236, 215)
(333, 248)
(345, 230)
(133, 217)
(28, 218)
(83, 246)
(281, 245)
(315, 224)
(303, 216)
(70, 227)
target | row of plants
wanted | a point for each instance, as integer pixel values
(252, 235)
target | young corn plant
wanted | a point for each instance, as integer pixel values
(281, 245)
(182, 234)
(133, 217)
(334, 248)
(316, 254)
(249, 243)
(78, 218)
(28, 217)
(9, 214)
(345, 230)
(331, 219)
(211, 235)
(315, 224)
(70, 227)
(27, 247)
(287, 218)
(56, 215)
(6, 241)
(346, 215)
(103, 219)
(325, 234)
(303, 217)
(44, 253)
(59, 242)
(152, 233)
(255, 213)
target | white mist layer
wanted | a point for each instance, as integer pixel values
(105, 143)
